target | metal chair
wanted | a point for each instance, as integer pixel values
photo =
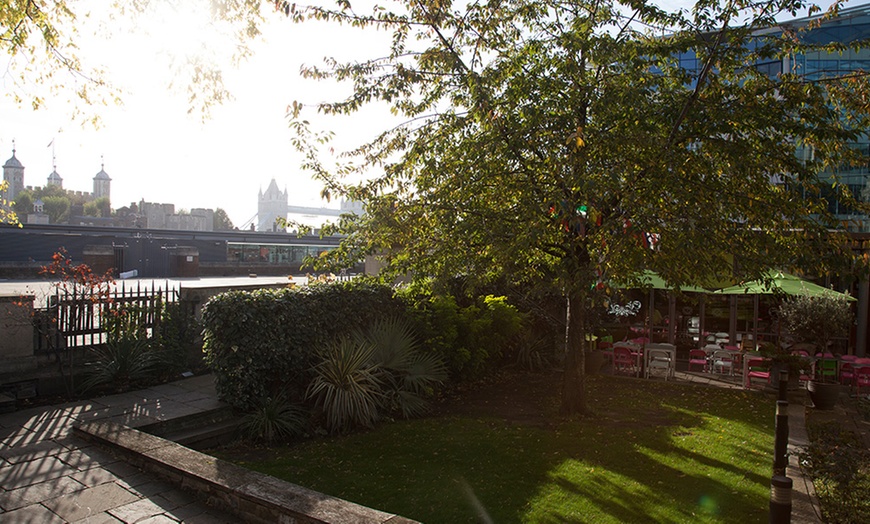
(698, 357)
(756, 367)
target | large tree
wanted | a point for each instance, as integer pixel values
(565, 144)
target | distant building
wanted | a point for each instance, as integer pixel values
(102, 184)
(54, 179)
(163, 216)
(13, 173)
(271, 205)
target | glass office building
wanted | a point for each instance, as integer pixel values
(850, 25)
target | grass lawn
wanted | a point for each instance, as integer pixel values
(652, 452)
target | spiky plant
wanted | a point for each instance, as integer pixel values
(122, 362)
(346, 386)
(408, 374)
(274, 418)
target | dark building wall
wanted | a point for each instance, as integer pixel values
(24, 250)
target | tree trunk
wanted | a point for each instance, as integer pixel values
(574, 376)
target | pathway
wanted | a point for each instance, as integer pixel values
(48, 475)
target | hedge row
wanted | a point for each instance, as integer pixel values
(264, 342)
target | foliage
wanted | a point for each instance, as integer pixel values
(470, 339)
(408, 373)
(77, 278)
(274, 419)
(562, 142)
(704, 451)
(179, 336)
(816, 319)
(7, 212)
(839, 463)
(44, 59)
(258, 343)
(374, 373)
(346, 386)
(122, 363)
(222, 220)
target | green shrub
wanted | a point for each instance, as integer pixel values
(346, 386)
(121, 363)
(273, 419)
(263, 342)
(179, 337)
(839, 464)
(469, 339)
(374, 373)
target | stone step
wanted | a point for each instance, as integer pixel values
(199, 430)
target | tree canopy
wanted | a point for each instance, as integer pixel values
(45, 44)
(564, 143)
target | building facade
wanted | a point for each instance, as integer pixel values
(849, 26)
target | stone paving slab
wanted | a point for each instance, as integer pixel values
(48, 475)
(89, 501)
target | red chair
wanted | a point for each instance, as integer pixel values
(847, 373)
(862, 379)
(806, 370)
(756, 367)
(625, 361)
(698, 357)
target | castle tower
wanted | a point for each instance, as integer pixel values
(13, 173)
(54, 179)
(102, 184)
(271, 205)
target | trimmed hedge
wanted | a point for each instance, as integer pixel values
(259, 344)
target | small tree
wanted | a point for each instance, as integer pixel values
(816, 319)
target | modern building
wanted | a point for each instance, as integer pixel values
(849, 26)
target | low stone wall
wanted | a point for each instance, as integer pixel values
(250, 495)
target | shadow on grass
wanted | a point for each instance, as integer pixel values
(652, 452)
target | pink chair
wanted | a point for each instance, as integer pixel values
(698, 357)
(847, 373)
(862, 379)
(806, 371)
(625, 361)
(756, 367)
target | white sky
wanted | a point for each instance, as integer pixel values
(154, 150)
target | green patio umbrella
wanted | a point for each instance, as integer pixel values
(778, 283)
(651, 279)
(784, 284)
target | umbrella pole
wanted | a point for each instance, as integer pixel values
(672, 315)
(755, 323)
(732, 324)
(701, 307)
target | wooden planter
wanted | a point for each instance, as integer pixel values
(823, 394)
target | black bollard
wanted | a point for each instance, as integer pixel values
(780, 500)
(783, 385)
(780, 442)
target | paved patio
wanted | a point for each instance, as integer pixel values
(47, 475)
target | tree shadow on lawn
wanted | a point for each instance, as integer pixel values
(501, 450)
(639, 443)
